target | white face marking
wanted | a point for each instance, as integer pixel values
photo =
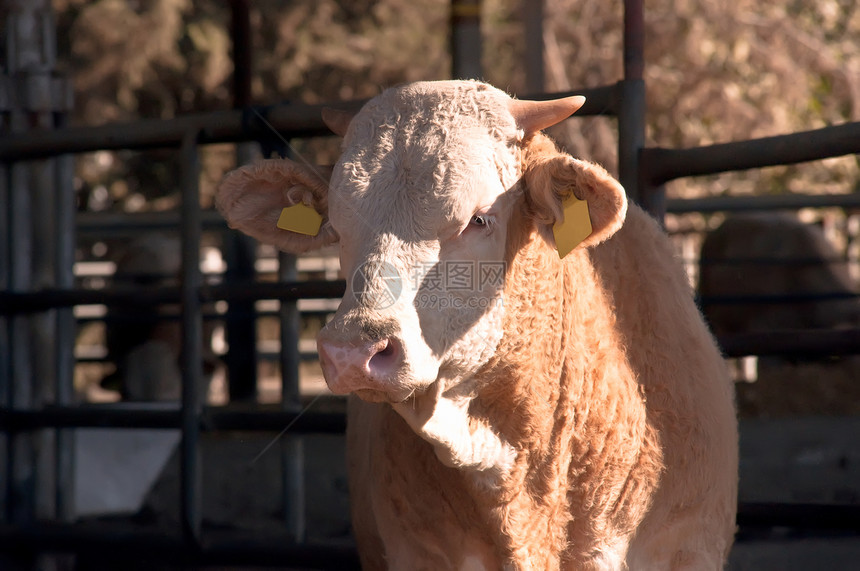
(458, 440)
(420, 199)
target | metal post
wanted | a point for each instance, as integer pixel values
(66, 333)
(192, 342)
(41, 236)
(466, 45)
(634, 39)
(631, 112)
(239, 250)
(43, 325)
(241, 331)
(292, 450)
(5, 364)
(5, 324)
(29, 60)
(240, 31)
(533, 15)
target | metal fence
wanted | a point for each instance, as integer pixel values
(37, 327)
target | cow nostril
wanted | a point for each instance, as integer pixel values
(386, 358)
(388, 350)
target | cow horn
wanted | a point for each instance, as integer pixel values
(532, 116)
(337, 120)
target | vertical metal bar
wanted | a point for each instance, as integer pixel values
(240, 30)
(43, 325)
(533, 15)
(38, 40)
(30, 58)
(241, 331)
(20, 504)
(5, 361)
(192, 341)
(292, 448)
(21, 500)
(466, 45)
(634, 39)
(66, 329)
(64, 325)
(289, 316)
(6, 98)
(239, 250)
(631, 112)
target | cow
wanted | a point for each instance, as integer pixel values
(766, 271)
(144, 341)
(771, 255)
(563, 410)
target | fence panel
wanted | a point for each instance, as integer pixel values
(25, 411)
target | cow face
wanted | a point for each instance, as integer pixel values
(421, 201)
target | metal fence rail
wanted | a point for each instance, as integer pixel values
(16, 303)
(209, 419)
(750, 203)
(800, 344)
(662, 165)
(659, 165)
(802, 516)
(291, 120)
(119, 544)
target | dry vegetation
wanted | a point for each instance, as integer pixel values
(715, 71)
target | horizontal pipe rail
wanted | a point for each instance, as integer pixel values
(833, 517)
(266, 356)
(661, 165)
(102, 223)
(109, 317)
(809, 343)
(291, 120)
(118, 542)
(777, 299)
(12, 303)
(751, 203)
(212, 418)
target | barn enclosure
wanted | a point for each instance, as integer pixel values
(164, 408)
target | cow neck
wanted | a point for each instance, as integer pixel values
(524, 373)
(560, 344)
(561, 392)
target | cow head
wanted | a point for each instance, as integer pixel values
(431, 177)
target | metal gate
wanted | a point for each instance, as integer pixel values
(38, 293)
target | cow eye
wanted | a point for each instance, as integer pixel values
(481, 222)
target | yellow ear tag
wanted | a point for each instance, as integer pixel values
(575, 228)
(300, 218)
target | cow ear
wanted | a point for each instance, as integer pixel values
(255, 199)
(571, 195)
(337, 120)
